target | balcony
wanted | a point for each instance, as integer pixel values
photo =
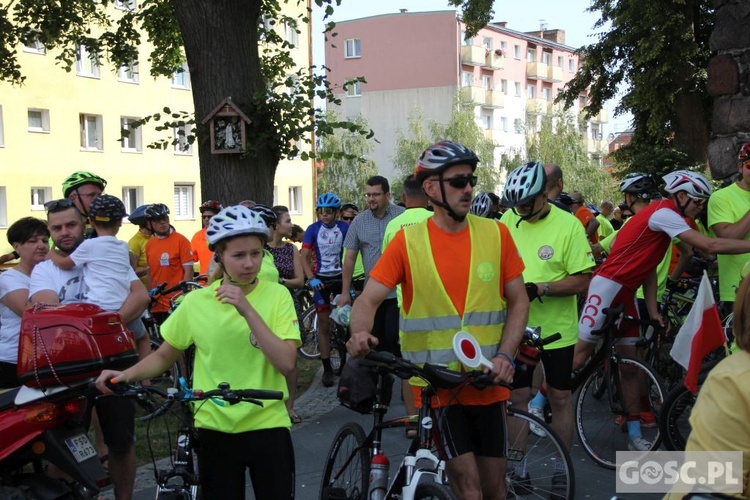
(494, 59)
(555, 74)
(538, 106)
(472, 55)
(593, 146)
(476, 94)
(494, 135)
(493, 99)
(537, 71)
(601, 117)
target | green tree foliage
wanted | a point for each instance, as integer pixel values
(658, 51)
(345, 174)
(462, 127)
(558, 141)
(233, 48)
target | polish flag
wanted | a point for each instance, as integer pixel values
(701, 333)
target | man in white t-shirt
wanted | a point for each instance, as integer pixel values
(52, 285)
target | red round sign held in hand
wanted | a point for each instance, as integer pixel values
(468, 351)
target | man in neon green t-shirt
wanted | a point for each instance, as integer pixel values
(558, 260)
(729, 217)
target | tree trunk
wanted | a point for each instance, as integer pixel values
(221, 46)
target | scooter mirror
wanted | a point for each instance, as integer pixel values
(468, 351)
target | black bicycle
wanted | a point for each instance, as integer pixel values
(421, 474)
(338, 335)
(182, 480)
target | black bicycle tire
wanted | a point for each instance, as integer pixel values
(309, 335)
(362, 456)
(433, 490)
(579, 412)
(552, 435)
(677, 401)
(147, 404)
(338, 349)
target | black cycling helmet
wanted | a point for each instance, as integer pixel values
(266, 213)
(349, 205)
(638, 184)
(565, 199)
(156, 211)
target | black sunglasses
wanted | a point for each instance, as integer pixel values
(56, 205)
(325, 210)
(348, 219)
(460, 181)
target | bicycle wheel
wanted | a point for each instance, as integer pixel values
(544, 469)
(308, 328)
(154, 406)
(437, 491)
(674, 420)
(347, 470)
(601, 422)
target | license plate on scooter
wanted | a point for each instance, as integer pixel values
(80, 447)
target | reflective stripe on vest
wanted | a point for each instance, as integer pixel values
(427, 329)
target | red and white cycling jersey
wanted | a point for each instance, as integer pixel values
(641, 244)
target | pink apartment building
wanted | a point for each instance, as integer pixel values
(421, 60)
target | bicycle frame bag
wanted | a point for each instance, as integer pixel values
(62, 344)
(358, 387)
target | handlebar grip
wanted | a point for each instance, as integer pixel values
(260, 394)
(552, 338)
(118, 388)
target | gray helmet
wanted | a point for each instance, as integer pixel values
(481, 205)
(524, 184)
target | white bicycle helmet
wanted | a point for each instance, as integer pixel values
(524, 184)
(692, 183)
(234, 221)
(481, 205)
(438, 157)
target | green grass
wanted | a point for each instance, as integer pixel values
(161, 432)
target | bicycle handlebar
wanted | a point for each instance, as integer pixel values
(184, 394)
(181, 286)
(532, 336)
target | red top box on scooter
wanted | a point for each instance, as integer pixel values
(62, 344)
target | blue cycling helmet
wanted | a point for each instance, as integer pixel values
(328, 200)
(138, 217)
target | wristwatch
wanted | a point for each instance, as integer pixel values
(545, 289)
(282, 281)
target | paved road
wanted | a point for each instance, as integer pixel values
(323, 416)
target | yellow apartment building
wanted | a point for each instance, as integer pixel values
(59, 122)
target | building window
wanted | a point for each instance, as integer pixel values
(183, 145)
(504, 47)
(531, 91)
(38, 120)
(547, 58)
(518, 89)
(290, 34)
(581, 101)
(132, 197)
(504, 123)
(183, 201)
(295, 199)
(131, 134)
(352, 48)
(571, 65)
(2, 129)
(354, 89)
(181, 77)
(125, 5)
(547, 94)
(487, 42)
(504, 86)
(3, 208)
(487, 82)
(560, 61)
(128, 72)
(486, 121)
(517, 52)
(531, 55)
(86, 63)
(40, 196)
(92, 138)
(32, 44)
(467, 79)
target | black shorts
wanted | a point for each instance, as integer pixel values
(117, 418)
(223, 459)
(385, 327)
(482, 430)
(322, 298)
(558, 365)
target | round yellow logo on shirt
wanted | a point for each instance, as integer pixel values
(485, 271)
